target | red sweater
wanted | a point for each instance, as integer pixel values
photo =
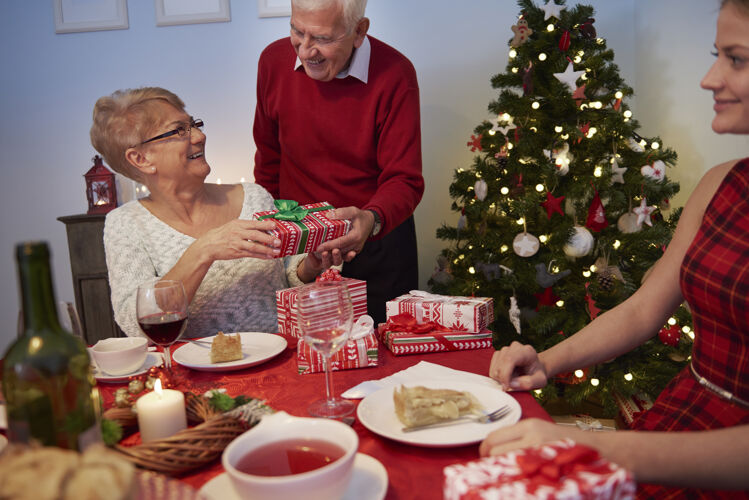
(342, 141)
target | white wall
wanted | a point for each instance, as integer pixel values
(50, 82)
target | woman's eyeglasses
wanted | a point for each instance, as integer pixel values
(182, 130)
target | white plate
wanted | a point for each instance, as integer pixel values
(377, 413)
(152, 359)
(369, 481)
(257, 347)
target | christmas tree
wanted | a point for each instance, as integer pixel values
(564, 209)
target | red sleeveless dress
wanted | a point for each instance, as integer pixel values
(715, 282)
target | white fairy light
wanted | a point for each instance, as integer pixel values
(535, 105)
(472, 270)
(512, 53)
(655, 145)
(543, 238)
(549, 27)
(627, 114)
(514, 70)
(579, 373)
(628, 377)
(521, 221)
(598, 172)
(618, 94)
(542, 56)
(539, 187)
(577, 59)
(586, 273)
(594, 382)
(591, 132)
(504, 190)
(560, 303)
(617, 244)
(558, 129)
(503, 248)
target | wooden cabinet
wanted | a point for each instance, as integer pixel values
(90, 280)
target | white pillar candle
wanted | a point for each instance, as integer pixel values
(161, 413)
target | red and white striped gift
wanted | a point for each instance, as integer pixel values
(435, 341)
(307, 234)
(469, 314)
(360, 351)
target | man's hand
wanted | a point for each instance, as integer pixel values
(349, 245)
(314, 263)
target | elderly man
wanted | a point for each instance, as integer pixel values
(337, 120)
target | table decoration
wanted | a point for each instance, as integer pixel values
(403, 334)
(161, 413)
(219, 418)
(468, 314)
(302, 228)
(561, 469)
(286, 300)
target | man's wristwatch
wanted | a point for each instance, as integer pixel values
(377, 227)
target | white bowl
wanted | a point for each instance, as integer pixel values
(326, 483)
(120, 355)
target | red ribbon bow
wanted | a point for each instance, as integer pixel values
(330, 275)
(406, 323)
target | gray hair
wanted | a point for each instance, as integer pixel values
(353, 10)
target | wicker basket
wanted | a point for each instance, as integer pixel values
(195, 446)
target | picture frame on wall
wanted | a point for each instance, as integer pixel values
(273, 8)
(73, 16)
(174, 12)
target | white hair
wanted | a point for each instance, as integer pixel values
(353, 10)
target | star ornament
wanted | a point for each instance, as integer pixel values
(617, 172)
(643, 212)
(552, 10)
(553, 205)
(509, 121)
(569, 77)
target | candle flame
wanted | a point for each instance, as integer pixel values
(157, 387)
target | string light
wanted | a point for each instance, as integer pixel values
(542, 56)
(593, 268)
(628, 377)
(555, 269)
(565, 136)
(503, 248)
(535, 105)
(686, 329)
(671, 321)
(591, 132)
(599, 41)
(506, 117)
(586, 273)
(655, 145)
(455, 261)
(461, 256)
(492, 132)
(543, 238)
(617, 244)
(580, 53)
(470, 247)
(471, 270)
(514, 70)
(512, 53)
(594, 382)
(598, 172)
(558, 129)
(539, 187)
(627, 114)
(577, 59)
(510, 145)
(537, 391)
(579, 373)
(618, 94)
(597, 104)
(691, 335)
(560, 303)
(521, 221)
(504, 190)
(550, 27)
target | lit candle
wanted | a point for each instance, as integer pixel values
(161, 413)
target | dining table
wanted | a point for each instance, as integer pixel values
(413, 472)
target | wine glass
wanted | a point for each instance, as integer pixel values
(161, 307)
(325, 317)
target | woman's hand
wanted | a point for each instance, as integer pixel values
(528, 432)
(238, 239)
(518, 367)
(316, 262)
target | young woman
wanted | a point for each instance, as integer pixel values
(697, 439)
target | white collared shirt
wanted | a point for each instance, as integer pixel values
(359, 67)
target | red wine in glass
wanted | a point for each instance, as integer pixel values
(163, 328)
(161, 308)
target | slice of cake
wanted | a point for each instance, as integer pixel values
(226, 348)
(416, 406)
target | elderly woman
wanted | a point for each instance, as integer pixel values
(187, 229)
(693, 442)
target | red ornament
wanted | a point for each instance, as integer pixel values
(101, 190)
(670, 335)
(553, 205)
(617, 104)
(596, 215)
(579, 94)
(546, 298)
(475, 143)
(593, 311)
(564, 41)
(584, 128)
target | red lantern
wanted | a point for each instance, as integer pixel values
(101, 190)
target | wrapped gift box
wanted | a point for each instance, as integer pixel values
(631, 407)
(360, 351)
(286, 305)
(558, 470)
(403, 342)
(302, 228)
(469, 314)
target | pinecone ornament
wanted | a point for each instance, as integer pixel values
(607, 280)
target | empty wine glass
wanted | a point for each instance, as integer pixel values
(161, 307)
(325, 317)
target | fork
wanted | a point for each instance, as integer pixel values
(481, 419)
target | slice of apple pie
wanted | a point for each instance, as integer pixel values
(417, 406)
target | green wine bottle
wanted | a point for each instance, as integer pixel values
(47, 380)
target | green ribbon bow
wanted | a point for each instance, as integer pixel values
(291, 211)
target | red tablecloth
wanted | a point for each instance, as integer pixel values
(413, 472)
